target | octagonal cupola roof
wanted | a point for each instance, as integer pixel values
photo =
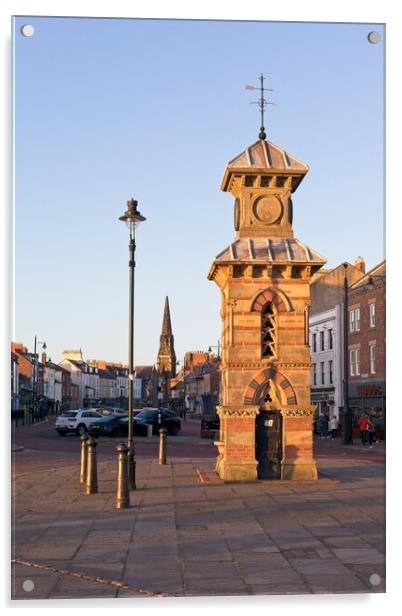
(264, 158)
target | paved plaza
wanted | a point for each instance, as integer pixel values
(187, 533)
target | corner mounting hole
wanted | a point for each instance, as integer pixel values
(27, 30)
(28, 585)
(375, 579)
(373, 37)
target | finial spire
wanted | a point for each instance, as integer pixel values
(262, 103)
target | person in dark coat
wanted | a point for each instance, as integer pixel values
(323, 426)
(370, 433)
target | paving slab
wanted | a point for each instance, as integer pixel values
(318, 566)
(279, 588)
(184, 537)
(358, 555)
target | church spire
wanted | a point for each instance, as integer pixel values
(166, 324)
(166, 356)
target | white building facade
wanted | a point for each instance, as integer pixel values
(325, 337)
(86, 377)
(108, 386)
(52, 383)
(122, 383)
(137, 388)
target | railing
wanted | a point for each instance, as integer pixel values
(27, 416)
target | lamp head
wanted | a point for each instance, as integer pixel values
(132, 216)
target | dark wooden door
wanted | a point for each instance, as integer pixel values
(268, 444)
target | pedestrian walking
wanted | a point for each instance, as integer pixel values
(186, 407)
(334, 426)
(363, 425)
(323, 426)
(370, 433)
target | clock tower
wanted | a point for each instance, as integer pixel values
(264, 278)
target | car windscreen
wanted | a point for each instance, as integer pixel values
(69, 414)
(106, 419)
(147, 415)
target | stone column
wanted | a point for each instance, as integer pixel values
(297, 441)
(236, 460)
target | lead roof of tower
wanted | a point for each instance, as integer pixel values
(264, 157)
(264, 250)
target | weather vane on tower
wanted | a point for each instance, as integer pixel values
(262, 103)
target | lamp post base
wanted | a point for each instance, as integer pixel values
(131, 469)
(122, 487)
(347, 430)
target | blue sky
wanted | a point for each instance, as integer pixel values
(107, 109)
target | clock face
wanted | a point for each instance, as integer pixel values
(268, 209)
(237, 215)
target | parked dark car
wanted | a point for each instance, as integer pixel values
(157, 418)
(110, 425)
(210, 422)
(209, 426)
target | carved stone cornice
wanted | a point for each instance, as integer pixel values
(294, 364)
(233, 410)
(266, 364)
(298, 411)
(243, 365)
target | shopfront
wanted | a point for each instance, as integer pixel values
(323, 399)
(368, 398)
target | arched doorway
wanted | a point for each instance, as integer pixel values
(268, 432)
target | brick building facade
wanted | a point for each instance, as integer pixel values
(202, 386)
(25, 375)
(366, 345)
(326, 336)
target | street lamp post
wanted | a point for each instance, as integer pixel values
(132, 218)
(347, 415)
(182, 400)
(35, 374)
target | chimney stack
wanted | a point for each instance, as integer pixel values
(43, 358)
(360, 264)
